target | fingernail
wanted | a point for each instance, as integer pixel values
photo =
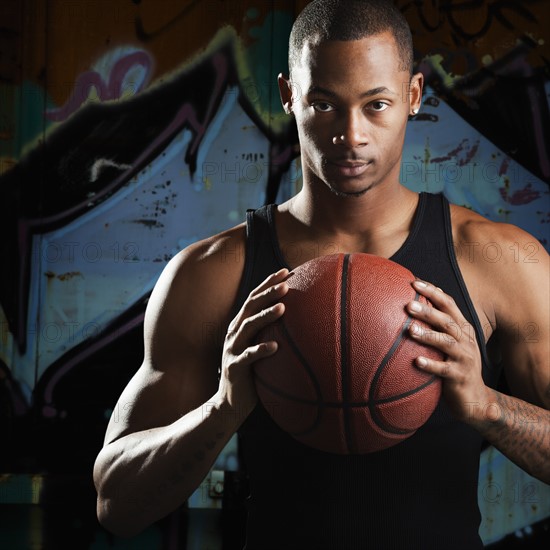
(419, 283)
(421, 361)
(415, 306)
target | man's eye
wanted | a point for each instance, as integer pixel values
(378, 106)
(322, 107)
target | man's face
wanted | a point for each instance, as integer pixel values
(351, 101)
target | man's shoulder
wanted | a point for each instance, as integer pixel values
(474, 231)
(505, 269)
(502, 259)
(203, 279)
(223, 252)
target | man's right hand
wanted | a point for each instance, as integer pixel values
(241, 348)
(179, 412)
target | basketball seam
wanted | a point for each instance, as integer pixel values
(344, 359)
(313, 404)
(317, 387)
(341, 404)
(371, 401)
(407, 393)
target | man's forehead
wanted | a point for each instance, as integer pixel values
(315, 47)
(350, 81)
(330, 60)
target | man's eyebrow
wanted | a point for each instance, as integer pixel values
(329, 93)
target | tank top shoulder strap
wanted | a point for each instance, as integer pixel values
(429, 252)
(262, 253)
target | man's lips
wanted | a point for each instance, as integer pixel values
(351, 168)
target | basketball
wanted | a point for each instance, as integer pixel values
(343, 379)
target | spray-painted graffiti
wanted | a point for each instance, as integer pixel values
(458, 14)
(135, 165)
(130, 73)
(487, 59)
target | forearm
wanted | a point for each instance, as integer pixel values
(518, 429)
(143, 476)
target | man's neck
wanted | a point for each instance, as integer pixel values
(377, 222)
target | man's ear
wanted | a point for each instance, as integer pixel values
(415, 92)
(285, 91)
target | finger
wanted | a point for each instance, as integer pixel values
(439, 368)
(441, 311)
(442, 341)
(437, 319)
(454, 327)
(252, 325)
(270, 281)
(261, 304)
(437, 297)
(271, 290)
(259, 351)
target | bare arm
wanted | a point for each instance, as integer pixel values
(518, 429)
(518, 292)
(174, 418)
(143, 476)
(519, 425)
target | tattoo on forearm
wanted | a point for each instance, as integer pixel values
(522, 432)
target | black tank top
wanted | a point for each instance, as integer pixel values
(418, 495)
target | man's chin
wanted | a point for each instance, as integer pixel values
(349, 194)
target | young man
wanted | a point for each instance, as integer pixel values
(351, 92)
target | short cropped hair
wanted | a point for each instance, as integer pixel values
(323, 20)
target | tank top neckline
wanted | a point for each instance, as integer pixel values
(418, 215)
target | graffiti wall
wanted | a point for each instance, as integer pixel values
(130, 129)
